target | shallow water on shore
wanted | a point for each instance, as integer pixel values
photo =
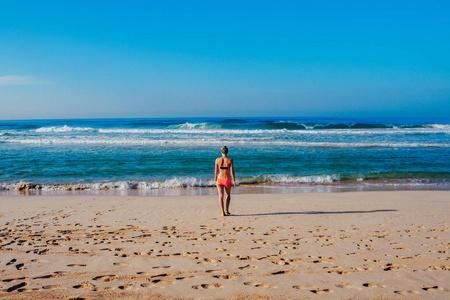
(252, 189)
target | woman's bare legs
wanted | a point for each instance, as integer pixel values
(220, 189)
(228, 192)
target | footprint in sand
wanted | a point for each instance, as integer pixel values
(207, 286)
(245, 257)
(282, 272)
(321, 291)
(162, 275)
(16, 287)
(280, 262)
(77, 265)
(260, 241)
(444, 268)
(53, 287)
(13, 279)
(348, 286)
(128, 287)
(218, 270)
(40, 260)
(247, 267)
(105, 278)
(338, 272)
(319, 261)
(46, 276)
(162, 267)
(406, 292)
(161, 281)
(390, 267)
(84, 285)
(371, 284)
(257, 284)
(211, 260)
(122, 264)
(153, 285)
(432, 288)
(145, 273)
(183, 278)
(224, 276)
(230, 241)
(329, 245)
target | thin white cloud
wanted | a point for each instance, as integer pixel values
(20, 80)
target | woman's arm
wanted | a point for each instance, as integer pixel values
(216, 170)
(232, 173)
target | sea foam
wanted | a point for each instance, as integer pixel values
(201, 141)
(172, 183)
(64, 128)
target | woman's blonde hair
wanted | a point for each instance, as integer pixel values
(224, 150)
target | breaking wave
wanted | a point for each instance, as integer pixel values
(172, 183)
(64, 128)
(439, 126)
(188, 125)
(278, 178)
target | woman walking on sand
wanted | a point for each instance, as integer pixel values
(224, 166)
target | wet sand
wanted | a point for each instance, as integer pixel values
(359, 245)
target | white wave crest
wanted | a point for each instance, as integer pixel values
(7, 186)
(302, 179)
(211, 129)
(188, 125)
(440, 126)
(183, 182)
(128, 130)
(64, 128)
(176, 182)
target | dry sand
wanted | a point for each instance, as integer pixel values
(333, 246)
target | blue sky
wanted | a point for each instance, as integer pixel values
(102, 59)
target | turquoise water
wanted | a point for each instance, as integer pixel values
(147, 154)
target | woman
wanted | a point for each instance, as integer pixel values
(224, 166)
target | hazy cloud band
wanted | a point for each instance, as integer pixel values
(21, 80)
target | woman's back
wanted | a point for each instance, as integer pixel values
(224, 164)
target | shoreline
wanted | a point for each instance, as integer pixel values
(273, 188)
(363, 245)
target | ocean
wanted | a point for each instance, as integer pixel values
(166, 156)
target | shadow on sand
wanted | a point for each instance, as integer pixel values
(316, 212)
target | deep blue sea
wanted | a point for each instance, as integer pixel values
(157, 154)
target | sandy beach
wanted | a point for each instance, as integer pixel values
(359, 245)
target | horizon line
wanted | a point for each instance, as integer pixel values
(230, 117)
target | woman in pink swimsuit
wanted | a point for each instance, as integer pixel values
(224, 166)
